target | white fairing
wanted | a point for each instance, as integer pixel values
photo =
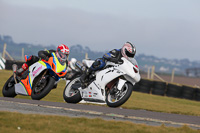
(93, 91)
(35, 70)
(96, 90)
(19, 89)
(105, 76)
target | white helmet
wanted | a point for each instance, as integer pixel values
(72, 63)
(128, 50)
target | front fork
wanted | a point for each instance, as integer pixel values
(115, 85)
(43, 78)
(14, 67)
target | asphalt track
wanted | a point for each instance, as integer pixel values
(93, 111)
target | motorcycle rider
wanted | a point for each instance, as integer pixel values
(72, 70)
(62, 53)
(128, 51)
(72, 65)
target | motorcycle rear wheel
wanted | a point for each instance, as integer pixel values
(116, 100)
(9, 88)
(71, 93)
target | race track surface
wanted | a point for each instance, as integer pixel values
(93, 111)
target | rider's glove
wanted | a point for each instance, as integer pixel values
(114, 60)
(120, 61)
(46, 58)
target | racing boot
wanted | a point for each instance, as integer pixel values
(20, 71)
(85, 77)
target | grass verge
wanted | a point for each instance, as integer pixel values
(30, 123)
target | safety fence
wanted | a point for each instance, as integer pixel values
(167, 89)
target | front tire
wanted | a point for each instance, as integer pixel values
(39, 94)
(71, 93)
(9, 88)
(120, 97)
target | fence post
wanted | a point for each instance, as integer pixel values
(148, 73)
(172, 78)
(86, 55)
(152, 72)
(4, 50)
(6, 53)
(22, 54)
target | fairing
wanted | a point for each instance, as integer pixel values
(24, 87)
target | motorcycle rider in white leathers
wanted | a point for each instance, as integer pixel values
(128, 51)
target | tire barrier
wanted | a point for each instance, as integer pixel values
(167, 89)
(9, 63)
(159, 88)
(197, 94)
(174, 90)
(136, 87)
(145, 85)
(188, 92)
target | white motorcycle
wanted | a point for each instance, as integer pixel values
(112, 85)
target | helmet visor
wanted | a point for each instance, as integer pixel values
(129, 54)
(62, 56)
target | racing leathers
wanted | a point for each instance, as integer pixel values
(112, 56)
(43, 54)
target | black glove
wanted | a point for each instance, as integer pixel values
(120, 61)
(116, 61)
(46, 58)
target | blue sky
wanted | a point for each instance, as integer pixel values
(163, 28)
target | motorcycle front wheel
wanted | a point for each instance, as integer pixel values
(71, 93)
(116, 98)
(41, 90)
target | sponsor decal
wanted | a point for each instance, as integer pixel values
(37, 70)
(94, 94)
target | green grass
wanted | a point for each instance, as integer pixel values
(162, 104)
(136, 101)
(31, 123)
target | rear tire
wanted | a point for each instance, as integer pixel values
(9, 88)
(72, 95)
(128, 87)
(45, 90)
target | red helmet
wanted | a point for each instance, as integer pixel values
(62, 52)
(128, 50)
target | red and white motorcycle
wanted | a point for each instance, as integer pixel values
(112, 85)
